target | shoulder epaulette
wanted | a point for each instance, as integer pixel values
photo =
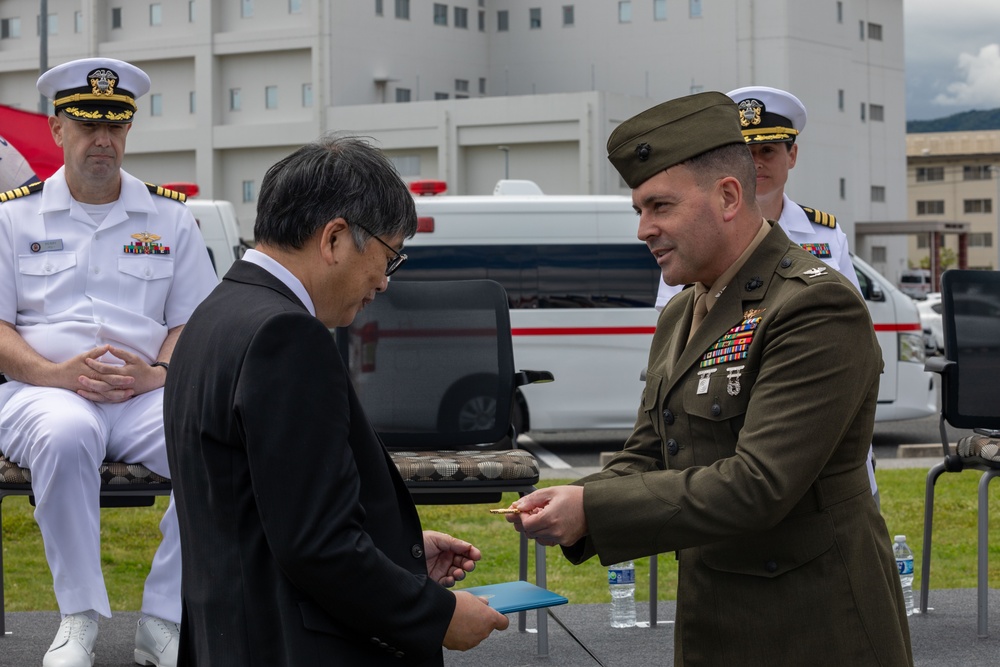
(22, 191)
(819, 217)
(166, 192)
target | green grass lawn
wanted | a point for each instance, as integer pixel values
(130, 537)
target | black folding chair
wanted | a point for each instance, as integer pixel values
(433, 364)
(970, 372)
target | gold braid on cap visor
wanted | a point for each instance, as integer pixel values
(89, 97)
(769, 133)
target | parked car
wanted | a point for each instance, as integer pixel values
(915, 283)
(930, 319)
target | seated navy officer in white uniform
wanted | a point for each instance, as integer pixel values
(771, 119)
(98, 274)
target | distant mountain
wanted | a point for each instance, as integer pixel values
(967, 121)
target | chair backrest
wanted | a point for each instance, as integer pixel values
(433, 363)
(971, 326)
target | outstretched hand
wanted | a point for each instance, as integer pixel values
(448, 558)
(551, 516)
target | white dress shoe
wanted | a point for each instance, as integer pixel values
(74, 643)
(156, 642)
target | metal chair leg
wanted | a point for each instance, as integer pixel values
(542, 614)
(925, 560)
(983, 548)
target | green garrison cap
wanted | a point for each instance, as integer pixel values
(671, 133)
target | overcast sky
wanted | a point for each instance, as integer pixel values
(952, 56)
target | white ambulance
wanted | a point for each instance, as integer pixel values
(581, 288)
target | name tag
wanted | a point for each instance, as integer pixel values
(45, 246)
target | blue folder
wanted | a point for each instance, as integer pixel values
(516, 596)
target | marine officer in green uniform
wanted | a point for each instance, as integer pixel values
(749, 449)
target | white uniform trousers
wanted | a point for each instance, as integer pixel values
(63, 438)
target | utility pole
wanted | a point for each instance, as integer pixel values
(43, 49)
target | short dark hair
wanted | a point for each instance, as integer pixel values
(336, 176)
(734, 160)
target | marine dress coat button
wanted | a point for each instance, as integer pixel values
(672, 447)
(668, 417)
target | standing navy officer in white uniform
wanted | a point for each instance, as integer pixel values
(98, 274)
(771, 119)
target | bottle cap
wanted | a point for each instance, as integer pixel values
(900, 538)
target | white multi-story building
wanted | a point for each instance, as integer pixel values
(469, 91)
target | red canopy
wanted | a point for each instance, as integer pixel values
(28, 132)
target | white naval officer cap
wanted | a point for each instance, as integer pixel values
(100, 90)
(768, 115)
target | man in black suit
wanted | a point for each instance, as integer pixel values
(300, 543)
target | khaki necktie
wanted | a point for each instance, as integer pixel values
(700, 310)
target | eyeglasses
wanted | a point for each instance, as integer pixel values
(393, 263)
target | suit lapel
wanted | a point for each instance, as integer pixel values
(251, 274)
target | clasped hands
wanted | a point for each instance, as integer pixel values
(102, 382)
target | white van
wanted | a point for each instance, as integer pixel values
(582, 287)
(915, 283)
(221, 231)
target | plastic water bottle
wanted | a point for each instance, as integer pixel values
(904, 563)
(621, 581)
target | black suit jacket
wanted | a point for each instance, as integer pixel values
(300, 543)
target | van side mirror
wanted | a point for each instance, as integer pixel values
(875, 292)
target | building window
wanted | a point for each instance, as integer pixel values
(876, 112)
(843, 188)
(695, 8)
(981, 240)
(441, 96)
(535, 18)
(875, 31)
(156, 104)
(930, 207)
(923, 241)
(406, 165)
(503, 19)
(482, 21)
(378, 8)
(461, 85)
(978, 205)
(116, 18)
(861, 29)
(235, 99)
(625, 11)
(461, 18)
(878, 193)
(930, 174)
(192, 15)
(192, 102)
(246, 8)
(568, 16)
(659, 10)
(440, 14)
(156, 14)
(307, 95)
(402, 94)
(248, 192)
(878, 254)
(294, 6)
(840, 99)
(482, 85)
(10, 28)
(863, 107)
(840, 12)
(977, 172)
(51, 25)
(403, 9)
(270, 97)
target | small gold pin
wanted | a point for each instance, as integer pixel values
(753, 312)
(145, 237)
